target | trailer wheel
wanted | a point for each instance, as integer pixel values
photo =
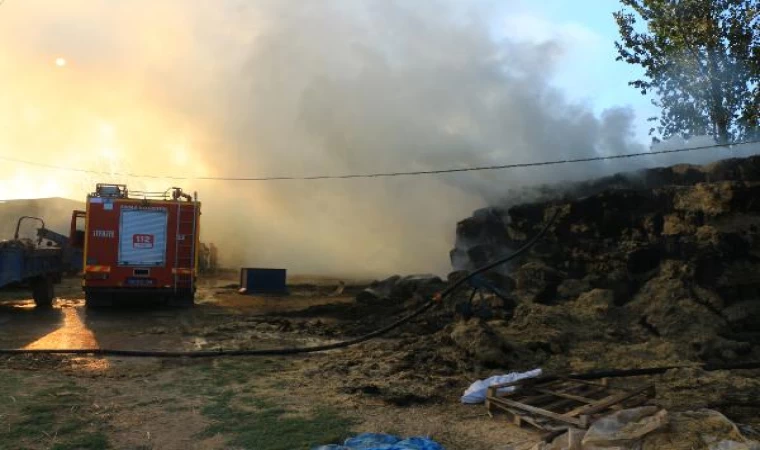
(42, 292)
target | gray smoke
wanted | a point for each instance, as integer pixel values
(269, 88)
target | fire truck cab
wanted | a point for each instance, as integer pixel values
(139, 245)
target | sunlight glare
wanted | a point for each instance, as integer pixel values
(108, 153)
(107, 131)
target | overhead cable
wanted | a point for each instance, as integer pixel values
(384, 174)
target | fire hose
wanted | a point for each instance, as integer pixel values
(437, 299)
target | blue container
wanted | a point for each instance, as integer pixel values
(264, 281)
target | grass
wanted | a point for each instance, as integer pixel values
(50, 417)
(84, 441)
(209, 377)
(240, 398)
(252, 420)
(266, 426)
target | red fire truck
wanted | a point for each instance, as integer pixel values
(140, 244)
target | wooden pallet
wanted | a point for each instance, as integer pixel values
(562, 403)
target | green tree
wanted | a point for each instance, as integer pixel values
(701, 60)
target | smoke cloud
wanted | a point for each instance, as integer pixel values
(269, 88)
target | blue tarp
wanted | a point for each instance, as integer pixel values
(380, 441)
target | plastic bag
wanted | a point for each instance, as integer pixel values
(417, 443)
(366, 441)
(381, 441)
(476, 393)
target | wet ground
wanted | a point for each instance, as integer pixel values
(145, 325)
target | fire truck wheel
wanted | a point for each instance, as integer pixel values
(42, 292)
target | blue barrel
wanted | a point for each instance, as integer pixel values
(263, 281)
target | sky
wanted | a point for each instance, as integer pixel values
(221, 88)
(587, 69)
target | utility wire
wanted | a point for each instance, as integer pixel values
(387, 174)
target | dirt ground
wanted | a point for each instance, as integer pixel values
(256, 403)
(408, 382)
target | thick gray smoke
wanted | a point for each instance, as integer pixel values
(260, 88)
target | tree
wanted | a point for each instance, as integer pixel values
(701, 59)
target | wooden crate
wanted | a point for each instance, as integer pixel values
(563, 402)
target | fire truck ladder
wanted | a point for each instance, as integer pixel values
(184, 259)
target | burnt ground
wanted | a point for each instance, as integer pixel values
(408, 382)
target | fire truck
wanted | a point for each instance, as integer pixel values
(139, 244)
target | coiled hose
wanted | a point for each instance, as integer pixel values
(288, 351)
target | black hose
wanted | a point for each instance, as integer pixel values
(287, 351)
(621, 373)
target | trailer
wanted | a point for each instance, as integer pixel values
(24, 262)
(140, 245)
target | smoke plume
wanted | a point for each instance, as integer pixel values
(269, 88)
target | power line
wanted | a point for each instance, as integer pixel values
(386, 174)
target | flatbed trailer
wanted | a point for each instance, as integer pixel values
(26, 263)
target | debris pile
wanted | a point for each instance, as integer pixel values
(658, 268)
(650, 427)
(661, 266)
(400, 289)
